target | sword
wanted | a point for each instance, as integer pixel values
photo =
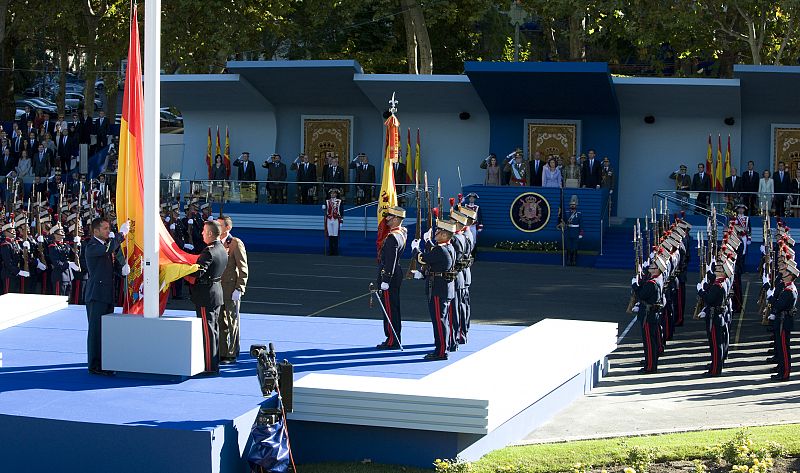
(372, 290)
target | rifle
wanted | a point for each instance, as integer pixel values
(412, 266)
(701, 256)
(39, 246)
(25, 251)
(78, 227)
(638, 259)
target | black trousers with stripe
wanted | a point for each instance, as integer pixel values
(649, 320)
(391, 302)
(62, 288)
(439, 309)
(210, 316)
(783, 346)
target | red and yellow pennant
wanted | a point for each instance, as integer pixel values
(209, 156)
(227, 158)
(388, 195)
(173, 262)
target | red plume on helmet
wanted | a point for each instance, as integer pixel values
(452, 202)
(460, 198)
(435, 212)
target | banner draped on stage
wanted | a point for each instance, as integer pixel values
(388, 195)
(173, 263)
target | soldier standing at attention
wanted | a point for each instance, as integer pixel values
(333, 220)
(59, 254)
(573, 231)
(438, 260)
(390, 276)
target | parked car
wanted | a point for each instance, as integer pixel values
(76, 100)
(170, 120)
(49, 103)
(22, 103)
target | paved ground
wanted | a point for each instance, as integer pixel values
(677, 398)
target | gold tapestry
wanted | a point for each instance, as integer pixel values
(322, 136)
(552, 139)
(786, 143)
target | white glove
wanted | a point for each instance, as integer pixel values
(699, 286)
(611, 191)
(770, 292)
(701, 315)
(710, 267)
(771, 317)
(190, 221)
(634, 280)
(76, 239)
(126, 270)
(188, 246)
(415, 245)
(323, 207)
(125, 228)
(23, 274)
(211, 218)
(417, 274)
(764, 279)
(39, 239)
(384, 286)
(168, 219)
(763, 250)
(112, 235)
(635, 308)
(74, 266)
(26, 244)
(427, 236)
(172, 226)
(40, 265)
(580, 236)
(236, 295)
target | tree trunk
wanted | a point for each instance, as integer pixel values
(7, 108)
(577, 23)
(63, 63)
(550, 33)
(90, 69)
(785, 41)
(423, 54)
(112, 91)
(411, 39)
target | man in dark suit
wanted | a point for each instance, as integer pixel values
(86, 128)
(750, 185)
(246, 171)
(733, 184)
(100, 253)
(590, 172)
(27, 116)
(535, 172)
(276, 174)
(782, 181)
(41, 162)
(701, 183)
(101, 129)
(332, 175)
(306, 172)
(7, 163)
(48, 125)
(365, 176)
(65, 149)
(207, 292)
(33, 143)
(399, 176)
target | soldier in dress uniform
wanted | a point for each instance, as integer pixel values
(437, 261)
(390, 276)
(333, 220)
(518, 169)
(683, 184)
(714, 295)
(11, 256)
(476, 226)
(466, 217)
(649, 290)
(29, 261)
(459, 243)
(177, 230)
(61, 263)
(193, 236)
(783, 307)
(573, 230)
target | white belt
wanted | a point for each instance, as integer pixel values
(574, 226)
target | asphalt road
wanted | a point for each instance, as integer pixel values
(501, 293)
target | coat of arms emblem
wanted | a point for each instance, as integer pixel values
(530, 212)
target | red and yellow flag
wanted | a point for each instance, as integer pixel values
(226, 159)
(218, 151)
(416, 160)
(209, 156)
(173, 263)
(409, 162)
(388, 195)
(718, 179)
(728, 159)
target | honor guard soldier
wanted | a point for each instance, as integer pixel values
(29, 261)
(459, 243)
(649, 290)
(437, 261)
(193, 236)
(333, 220)
(714, 296)
(390, 276)
(573, 231)
(783, 301)
(476, 226)
(177, 230)
(464, 217)
(42, 241)
(11, 256)
(61, 254)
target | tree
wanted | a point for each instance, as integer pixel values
(418, 43)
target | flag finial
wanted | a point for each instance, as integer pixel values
(393, 104)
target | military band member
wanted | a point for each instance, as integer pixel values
(390, 276)
(438, 260)
(333, 220)
(60, 254)
(11, 256)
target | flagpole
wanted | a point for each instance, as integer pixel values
(151, 153)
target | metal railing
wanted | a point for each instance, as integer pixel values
(725, 202)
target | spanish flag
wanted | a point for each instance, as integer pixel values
(226, 159)
(173, 263)
(710, 162)
(728, 159)
(416, 160)
(209, 156)
(388, 195)
(409, 162)
(719, 181)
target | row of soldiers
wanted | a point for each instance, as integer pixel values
(443, 258)
(658, 289)
(41, 251)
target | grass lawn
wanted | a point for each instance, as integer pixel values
(554, 457)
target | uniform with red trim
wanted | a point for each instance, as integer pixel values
(390, 276)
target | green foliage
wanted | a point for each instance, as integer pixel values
(456, 465)
(640, 458)
(745, 456)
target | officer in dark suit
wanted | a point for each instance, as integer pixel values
(438, 260)
(733, 184)
(276, 174)
(365, 175)
(332, 174)
(591, 175)
(100, 251)
(7, 163)
(390, 276)
(399, 175)
(536, 168)
(306, 172)
(750, 185)
(782, 186)
(101, 129)
(247, 171)
(61, 264)
(207, 292)
(701, 183)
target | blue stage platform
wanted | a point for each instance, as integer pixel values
(52, 412)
